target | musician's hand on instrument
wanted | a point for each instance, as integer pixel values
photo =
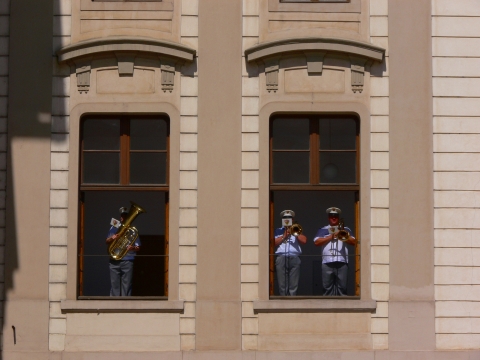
(133, 248)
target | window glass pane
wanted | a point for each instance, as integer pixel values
(101, 134)
(291, 167)
(148, 168)
(291, 134)
(101, 168)
(338, 134)
(337, 167)
(150, 263)
(309, 207)
(148, 134)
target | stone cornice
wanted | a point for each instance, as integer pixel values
(128, 44)
(346, 46)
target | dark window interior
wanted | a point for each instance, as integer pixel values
(123, 159)
(314, 165)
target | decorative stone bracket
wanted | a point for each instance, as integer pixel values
(126, 62)
(315, 62)
(125, 49)
(168, 75)
(271, 74)
(357, 66)
(315, 49)
(83, 70)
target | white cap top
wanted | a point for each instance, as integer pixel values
(334, 210)
(287, 213)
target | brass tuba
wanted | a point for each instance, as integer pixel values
(342, 234)
(127, 234)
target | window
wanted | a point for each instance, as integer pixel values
(315, 1)
(127, 0)
(314, 165)
(123, 159)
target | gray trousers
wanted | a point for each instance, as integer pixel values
(288, 274)
(121, 272)
(334, 278)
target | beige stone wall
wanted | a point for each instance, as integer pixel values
(158, 19)
(288, 20)
(59, 177)
(183, 155)
(250, 183)
(4, 37)
(456, 72)
(379, 176)
(188, 179)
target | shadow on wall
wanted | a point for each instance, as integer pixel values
(34, 97)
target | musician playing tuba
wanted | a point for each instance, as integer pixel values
(334, 238)
(288, 238)
(121, 271)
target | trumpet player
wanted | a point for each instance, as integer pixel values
(121, 271)
(287, 262)
(334, 253)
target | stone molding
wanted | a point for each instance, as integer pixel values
(126, 43)
(314, 305)
(101, 306)
(315, 50)
(350, 47)
(125, 49)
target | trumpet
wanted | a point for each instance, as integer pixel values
(295, 230)
(342, 234)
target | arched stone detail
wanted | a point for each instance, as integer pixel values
(314, 50)
(125, 49)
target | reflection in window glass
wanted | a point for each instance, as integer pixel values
(291, 167)
(148, 168)
(101, 134)
(291, 134)
(337, 167)
(148, 134)
(338, 134)
(101, 168)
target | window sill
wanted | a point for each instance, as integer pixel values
(122, 306)
(314, 306)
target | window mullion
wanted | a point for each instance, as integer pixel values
(314, 152)
(124, 151)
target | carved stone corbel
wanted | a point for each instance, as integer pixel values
(168, 75)
(271, 74)
(125, 63)
(357, 66)
(83, 70)
(315, 62)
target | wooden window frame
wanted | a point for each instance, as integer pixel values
(314, 185)
(123, 185)
(311, 1)
(127, 0)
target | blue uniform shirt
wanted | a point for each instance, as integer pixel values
(131, 254)
(289, 248)
(334, 250)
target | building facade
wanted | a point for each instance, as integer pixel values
(215, 116)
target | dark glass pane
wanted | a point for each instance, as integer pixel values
(291, 167)
(101, 134)
(309, 207)
(148, 168)
(338, 134)
(338, 167)
(291, 134)
(149, 266)
(101, 168)
(148, 135)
